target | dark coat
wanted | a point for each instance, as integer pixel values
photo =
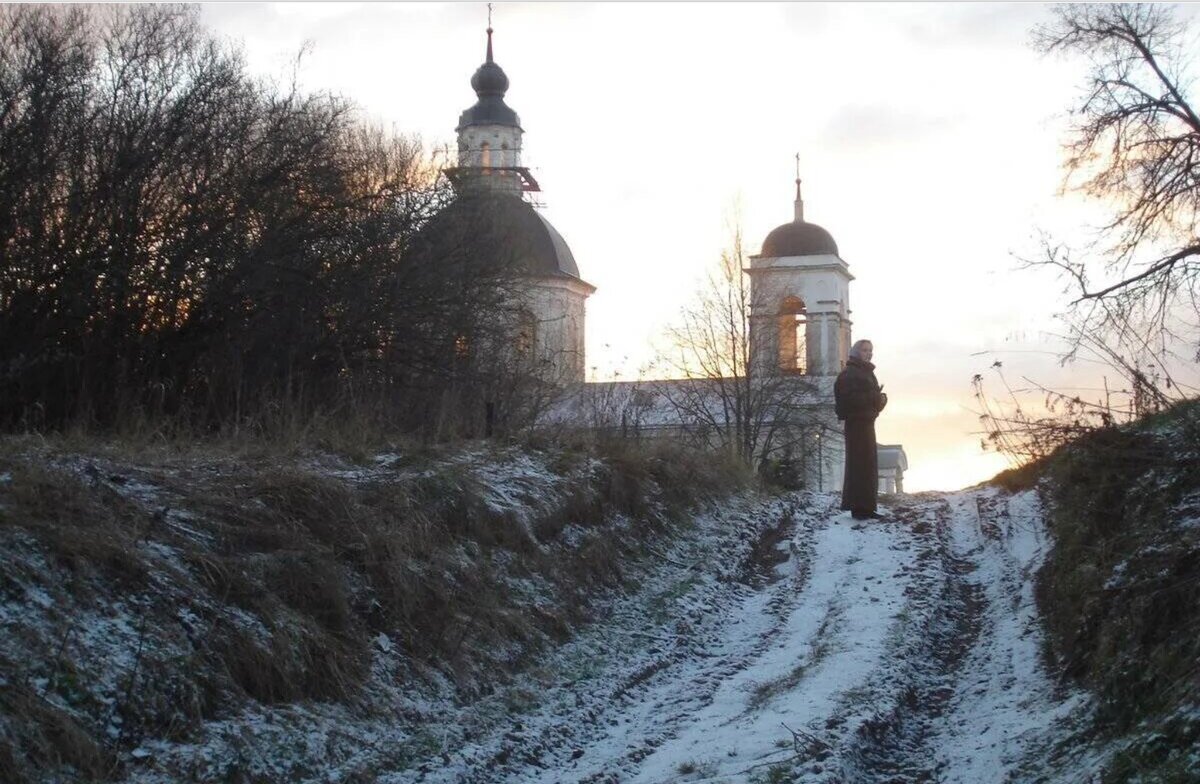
(858, 399)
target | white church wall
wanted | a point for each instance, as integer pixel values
(811, 438)
(558, 305)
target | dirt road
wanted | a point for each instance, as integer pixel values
(784, 641)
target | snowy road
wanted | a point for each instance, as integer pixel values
(823, 650)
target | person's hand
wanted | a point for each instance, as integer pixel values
(882, 400)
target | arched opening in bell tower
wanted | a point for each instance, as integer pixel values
(793, 336)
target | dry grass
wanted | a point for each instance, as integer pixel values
(47, 737)
(288, 573)
(86, 526)
(1119, 589)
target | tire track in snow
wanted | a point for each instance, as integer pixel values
(977, 703)
(901, 651)
(625, 709)
(938, 627)
(836, 636)
(1007, 710)
(693, 687)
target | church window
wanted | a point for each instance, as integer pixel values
(485, 155)
(526, 334)
(793, 333)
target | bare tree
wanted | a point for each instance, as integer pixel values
(735, 397)
(182, 241)
(1134, 312)
(1136, 144)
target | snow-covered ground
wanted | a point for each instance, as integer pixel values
(900, 650)
(771, 639)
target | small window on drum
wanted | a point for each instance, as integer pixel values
(526, 339)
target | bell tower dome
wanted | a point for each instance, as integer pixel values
(800, 299)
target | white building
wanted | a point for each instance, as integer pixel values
(491, 183)
(892, 465)
(800, 304)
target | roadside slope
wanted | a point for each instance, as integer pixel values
(299, 618)
(1120, 592)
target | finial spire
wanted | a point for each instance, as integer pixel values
(489, 32)
(799, 198)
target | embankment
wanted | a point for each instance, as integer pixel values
(1120, 591)
(180, 615)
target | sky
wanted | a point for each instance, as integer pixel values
(930, 140)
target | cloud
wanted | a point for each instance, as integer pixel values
(984, 24)
(882, 125)
(809, 18)
(319, 12)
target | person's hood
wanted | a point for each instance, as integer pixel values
(862, 362)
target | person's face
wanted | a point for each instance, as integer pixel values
(866, 352)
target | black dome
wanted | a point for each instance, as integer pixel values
(490, 83)
(489, 79)
(798, 239)
(505, 228)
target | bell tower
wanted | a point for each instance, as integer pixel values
(800, 300)
(547, 296)
(489, 135)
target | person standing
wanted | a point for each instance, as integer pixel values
(858, 399)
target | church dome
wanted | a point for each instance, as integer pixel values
(489, 79)
(799, 238)
(490, 83)
(503, 226)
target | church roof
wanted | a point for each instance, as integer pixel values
(891, 457)
(490, 83)
(504, 226)
(654, 404)
(799, 238)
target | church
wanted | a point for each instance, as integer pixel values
(799, 322)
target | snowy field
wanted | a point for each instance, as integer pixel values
(905, 650)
